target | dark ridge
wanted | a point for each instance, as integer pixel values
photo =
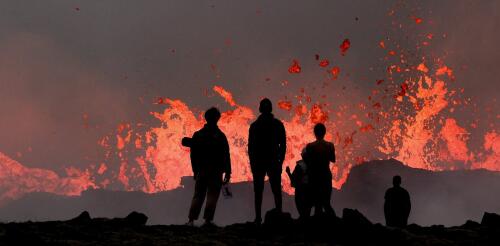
(352, 229)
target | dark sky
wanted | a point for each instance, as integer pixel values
(62, 59)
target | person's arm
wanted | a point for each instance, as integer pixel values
(227, 159)
(282, 143)
(251, 145)
(194, 154)
(187, 142)
(408, 204)
(386, 204)
(332, 154)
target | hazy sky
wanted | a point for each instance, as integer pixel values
(62, 59)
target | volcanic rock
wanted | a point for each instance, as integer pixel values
(352, 229)
(136, 219)
(84, 217)
(491, 220)
(277, 219)
(353, 218)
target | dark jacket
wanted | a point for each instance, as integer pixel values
(210, 152)
(266, 142)
(397, 206)
(318, 156)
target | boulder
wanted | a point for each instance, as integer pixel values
(277, 219)
(136, 219)
(352, 217)
(490, 220)
(470, 224)
(84, 217)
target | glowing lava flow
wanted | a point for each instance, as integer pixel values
(411, 140)
(17, 180)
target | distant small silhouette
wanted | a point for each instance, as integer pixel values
(318, 156)
(266, 150)
(300, 181)
(397, 204)
(209, 159)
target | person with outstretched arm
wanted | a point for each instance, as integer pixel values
(210, 160)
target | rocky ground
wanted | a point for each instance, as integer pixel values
(352, 229)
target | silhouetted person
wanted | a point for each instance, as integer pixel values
(266, 150)
(318, 156)
(300, 181)
(397, 204)
(209, 159)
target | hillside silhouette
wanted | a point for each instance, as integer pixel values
(448, 198)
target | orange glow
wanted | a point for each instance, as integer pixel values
(225, 94)
(17, 180)
(286, 105)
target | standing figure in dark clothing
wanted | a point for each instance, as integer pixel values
(397, 204)
(318, 156)
(266, 150)
(209, 159)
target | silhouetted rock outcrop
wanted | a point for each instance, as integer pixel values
(352, 229)
(277, 219)
(84, 217)
(136, 219)
(353, 218)
(491, 220)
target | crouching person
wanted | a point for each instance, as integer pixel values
(300, 181)
(210, 160)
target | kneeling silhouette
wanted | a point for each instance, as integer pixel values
(300, 181)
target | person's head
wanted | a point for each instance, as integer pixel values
(265, 106)
(396, 181)
(319, 131)
(212, 116)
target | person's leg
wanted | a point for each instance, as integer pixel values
(315, 194)
(213, 193)
(307, 201)
(258, 187)
(200, 190)
(301, 203)
(327, 206)
(275, 182)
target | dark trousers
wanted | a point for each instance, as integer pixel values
(205, 187)
(258, 186)
(303, 201)
(322, 187)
